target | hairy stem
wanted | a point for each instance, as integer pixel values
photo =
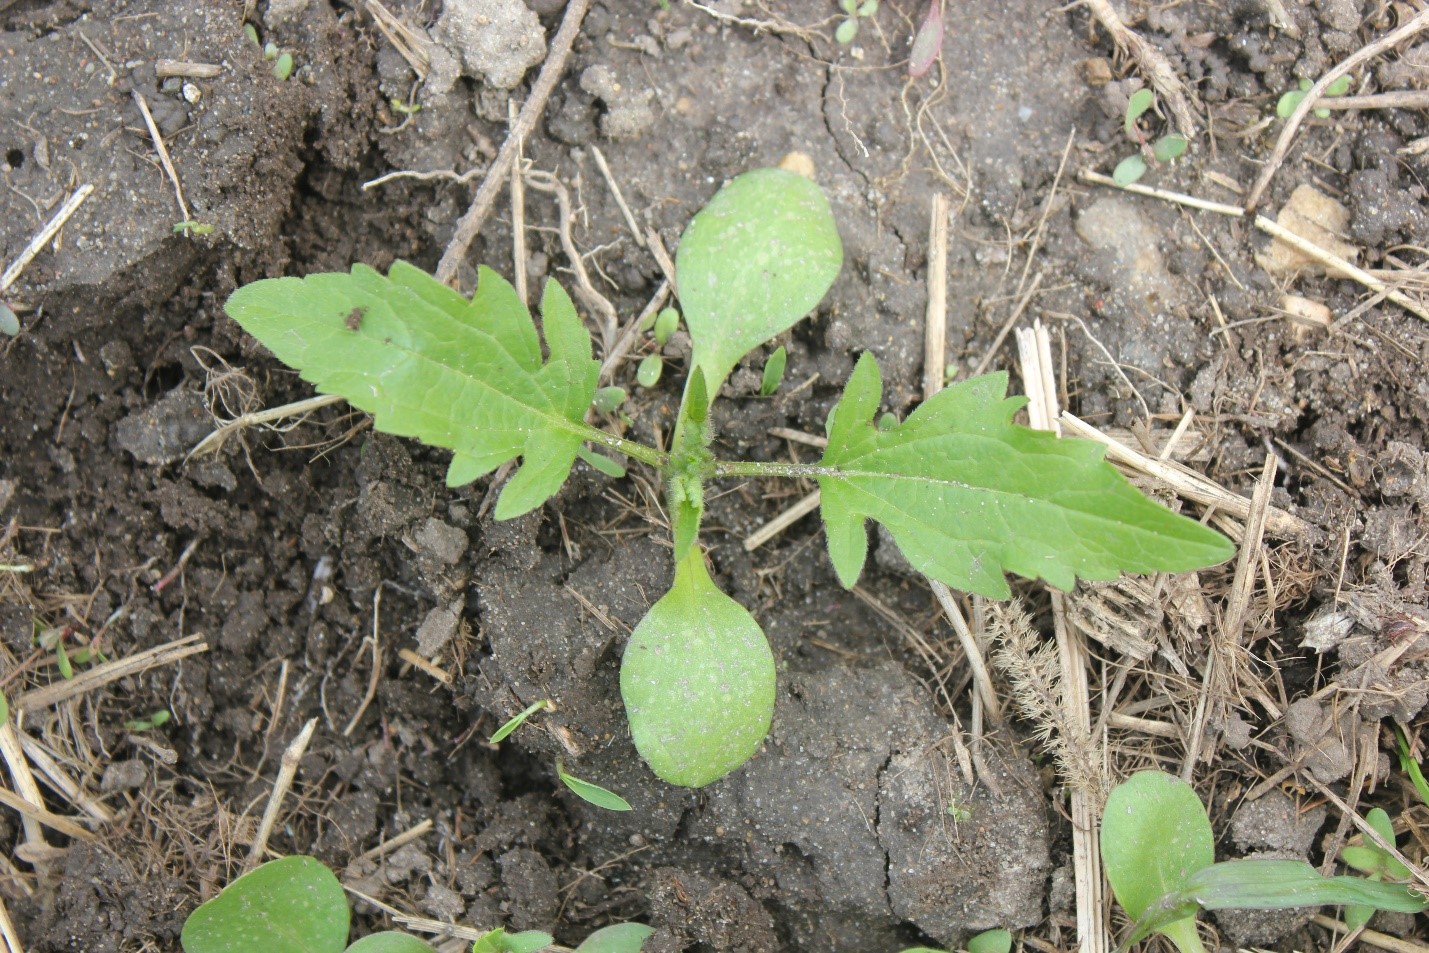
(633, 450)
(728, 468)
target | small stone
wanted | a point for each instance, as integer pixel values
(440, 541)
(164, 432)
(438, 628)
(123, 776)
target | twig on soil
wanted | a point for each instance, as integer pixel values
(7, 931)
(431, 668)
(1226, 640)
(1372, 937)
(935, 321)
(662, 258)
(1189, 484)
(300, 408)
(982, 681)
(165, 68)
(287, 771)
(518, 215)
(275, 715)
(14, 757)
(43, 236)
(604, 168)
(597, 302)
(450, 175)
(406, 837)
(163, 151)
(439, 928)
(376, 675)
(184, 557)
(29, 812)
(102, 675)
(771, 26)
(1312, 100)
(781, 522)
(1157, 69)
(58, 779)
(1394, 99)
(470, 224)
(1034, 350)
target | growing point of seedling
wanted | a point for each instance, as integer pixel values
(1291, 101)
(1165, 149)
(853, 11)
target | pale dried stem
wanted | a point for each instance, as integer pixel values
(631, 333)
(614, 187)
(298, 408)
(102, 675)
(1152, 63)
(469, 226)
(935, 322)
(7, 931)
(163, 151)
(23, 780)
(29, 812)
(604, 311)
(376, 676)
(56, 776)
(287, 771)
(1038, 374)
(518, 216)
(1416, 872)
(1312, 100)
(413, 47)
(427, 666)
(402, 839)
(1373, 938)
(43, 236)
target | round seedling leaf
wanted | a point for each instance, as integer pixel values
(1155, 835)
(389, 941)
(617, 938)
(1170, 147)
(283, 66)
(1128, 170)
(9, 323)
(648, 373)
(698, 681)
(755, 260)
(1288, 103)
(1139, 103)
(292, 905)
(1339, 87)
(666, 324)
(991, 941)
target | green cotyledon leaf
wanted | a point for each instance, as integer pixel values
(698, 680)
(428, 363)
(969, 495)
(753, 262)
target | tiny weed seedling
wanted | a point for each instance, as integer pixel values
(1159, 855)
(1374, 862)
(156, 720)
(297, 905)
(854, 10)
(502, 733)
(1291, 101)
(966, 494)
(988, 941)
(1409, 766)
(1165, 149)
(591, 793)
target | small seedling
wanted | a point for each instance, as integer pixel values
(251, 33)
(773, 372)
(505, 730)
(156, 720)
(927, 41)
(191, 228)
(608, 399)
(1159, 854)
(1374, 862)
(667, 322)
(283, 66)
(854, 10)
(1291, 101)
(592, 793)
(648, 373)
(1165, 149)
(499, 941)
(988, 941)
(1409, 766)
(616, 938)
(966, 494)
(406, 109)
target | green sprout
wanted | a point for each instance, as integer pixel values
(773, 372)
(191, 228)
(667, 322)
(1165, 149)
(283, 66)
(1159, 854)
(648, 373)
(607, 400)
(965, 493)
(156, 720)
(1409, 766)
(854, 10)
(406, 109)
(1291, 101)
(592, 793)
(505, 730)
(1374, 862)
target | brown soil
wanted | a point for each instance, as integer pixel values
(838, 835)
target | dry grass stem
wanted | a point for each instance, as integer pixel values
(431, 668)
(43, 236)
(614, 187)
(402, 839)
(991, 353)
(287, 771)
(24, 782)
(518, 215)
(1373, 938)
(29, 812)
(631, 333)
(101, 675)
(58, 779)
(7, 931)
(972, 648)
(935, 322)
(413, 47)
(1312, 99)
(299, 409)
(163, 151)
(604, 311)
(376, 675)
(469, 226)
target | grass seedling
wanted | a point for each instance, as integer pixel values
(1410, 766)
(1291, 101)
(591, 793)
(1165, 149)
(966, 494)
(157, 720)
(1159, 855)
(192, 229)
(773, 372)
(502, 733)
(854, 10)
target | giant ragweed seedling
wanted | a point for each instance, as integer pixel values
(1159, 854)
(967, 494)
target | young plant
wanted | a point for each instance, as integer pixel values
(966, 494)
(1374, 862)
(1159, 854)
(1291, 101)
(854, 10)
(1168, 147)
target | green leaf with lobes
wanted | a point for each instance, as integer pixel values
(753, 262)
(698, 680)
(428, 363)
(969, 495)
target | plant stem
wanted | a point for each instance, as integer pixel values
(727, 468)
(633, 450)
